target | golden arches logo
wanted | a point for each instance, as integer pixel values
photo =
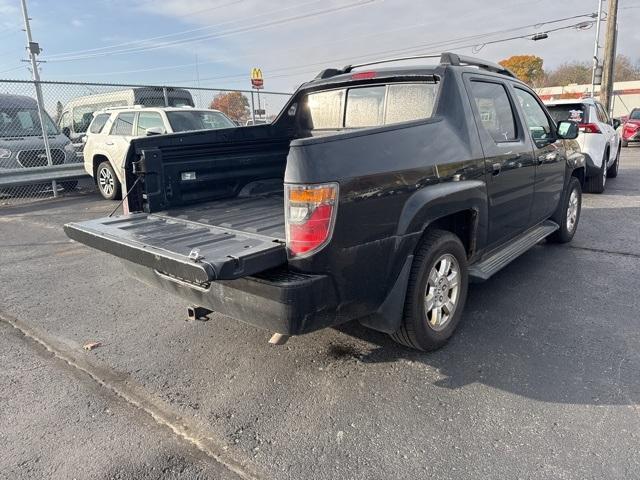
(256, 78)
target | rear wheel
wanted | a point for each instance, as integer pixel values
(569, 215)
(612, 171)
(436, 293)
(596, 183)
(108, 183)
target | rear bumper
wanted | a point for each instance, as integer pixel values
(278, 300)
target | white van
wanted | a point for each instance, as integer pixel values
(78, 113)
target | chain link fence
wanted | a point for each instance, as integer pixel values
(36, 166)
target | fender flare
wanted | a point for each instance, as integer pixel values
(437, 201)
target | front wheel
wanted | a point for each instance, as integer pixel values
(436, 293)
(569, 214)
(108, 183)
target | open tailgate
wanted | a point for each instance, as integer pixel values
(192, 251)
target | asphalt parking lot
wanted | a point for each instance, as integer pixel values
(541, 381)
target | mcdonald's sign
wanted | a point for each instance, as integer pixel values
(256, 78)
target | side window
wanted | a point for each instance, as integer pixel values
(148, 120)
(99, 122)
(537, 121)
(65, 120)
(123, 124)
(496, 114)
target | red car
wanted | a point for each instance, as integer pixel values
(631, 128)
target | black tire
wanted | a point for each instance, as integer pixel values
(416, 331)
(596, 183)
(69, 185)
(107, 182)
(568, 229)
(624, 143)
(612, 171)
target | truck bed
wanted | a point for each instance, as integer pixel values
(261, 214)
(216, 240)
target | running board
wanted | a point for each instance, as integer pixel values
(483, 270)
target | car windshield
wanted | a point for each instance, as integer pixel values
(23, 122)
(184, 121)
(569, 111)
(635, 115)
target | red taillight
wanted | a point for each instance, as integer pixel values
(589, 128)
(363, 75)
(310, 212)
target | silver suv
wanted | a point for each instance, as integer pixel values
(21, 140)
(111, 131)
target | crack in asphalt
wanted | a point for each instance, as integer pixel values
(601, 250)
(135, 395)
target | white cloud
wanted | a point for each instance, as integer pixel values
(76, 22)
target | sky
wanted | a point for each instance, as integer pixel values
(215, 43)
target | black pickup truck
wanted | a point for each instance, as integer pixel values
(376, 195)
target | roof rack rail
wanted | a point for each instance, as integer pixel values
(446, 58)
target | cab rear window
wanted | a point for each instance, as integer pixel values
(369, 106)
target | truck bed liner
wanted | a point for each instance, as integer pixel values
(262, 214)
(218, 240)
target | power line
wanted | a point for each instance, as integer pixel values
(477, 37)
(183, 32)
(223, 34)
(451, 44)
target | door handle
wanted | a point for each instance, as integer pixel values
(548, 157)
(496, 168)
(108, 143)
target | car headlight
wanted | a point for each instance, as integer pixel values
(5, 153)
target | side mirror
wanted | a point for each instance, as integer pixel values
(616, 123)
(66, 131)
(154, 131)
(83, 139)
(567, 130)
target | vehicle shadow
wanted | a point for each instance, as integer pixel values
(516, 337)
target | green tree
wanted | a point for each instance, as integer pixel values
(527, 68)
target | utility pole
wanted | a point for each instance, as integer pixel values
(606, 89)
(34, 50)
(595, 50)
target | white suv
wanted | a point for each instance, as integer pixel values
(598, 138)
(111, 131)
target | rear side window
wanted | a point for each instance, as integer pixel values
(99, 122)
(372, 106)
(494, 108)
(149, 120)
(123, 124)
(576, 112)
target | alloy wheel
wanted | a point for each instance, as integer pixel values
(442, 291)
(106, 182)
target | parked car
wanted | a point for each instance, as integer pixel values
(78, 113)
(112, 130)
(631, 128)
(21, 139)
(598, 138)
(374, 195)
(249, 123)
